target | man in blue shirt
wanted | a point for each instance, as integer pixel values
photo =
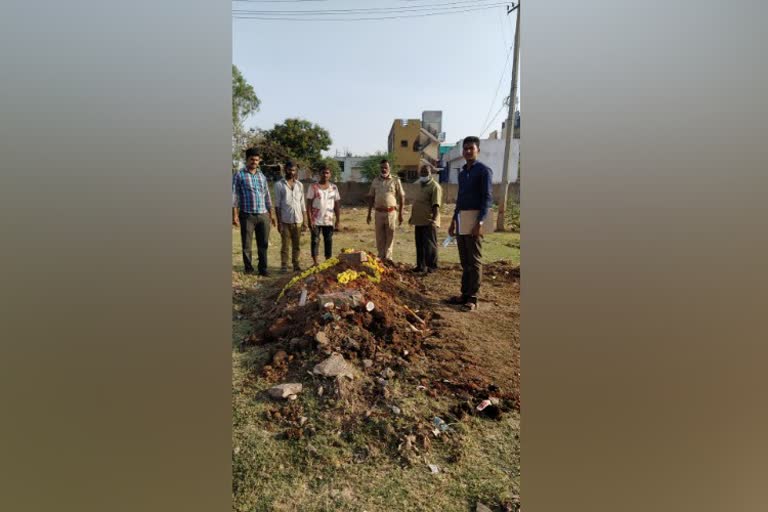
(252, 210)
(472, 206)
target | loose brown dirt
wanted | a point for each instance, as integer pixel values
(412, 345)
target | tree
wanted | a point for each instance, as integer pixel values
(244, 100)
(303, 140)
(244, 103)
(371, 165)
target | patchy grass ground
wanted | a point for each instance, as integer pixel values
(337, 470)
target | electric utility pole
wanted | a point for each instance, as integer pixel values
(510, 122)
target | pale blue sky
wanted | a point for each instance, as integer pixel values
(355, 77)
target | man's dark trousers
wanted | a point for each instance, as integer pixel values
(426, 247)
(470, 255)
(258, 224)
(314, 245)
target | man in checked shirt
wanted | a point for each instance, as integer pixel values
(252, 210)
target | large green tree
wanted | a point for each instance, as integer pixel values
(303, 139)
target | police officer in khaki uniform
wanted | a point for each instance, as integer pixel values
(387, 197)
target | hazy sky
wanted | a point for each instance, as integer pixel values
(355, 77)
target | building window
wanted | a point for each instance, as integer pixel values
(403, 143)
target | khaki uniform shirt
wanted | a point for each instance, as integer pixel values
(385, 193)
(427, 195)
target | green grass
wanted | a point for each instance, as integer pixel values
(480, 461)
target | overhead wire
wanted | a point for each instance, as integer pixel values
(365, 10)
(494, 119)
(498, 87)
(246, 16)
(353, 15)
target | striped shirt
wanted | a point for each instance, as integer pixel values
(250, 192)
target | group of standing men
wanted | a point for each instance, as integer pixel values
(294, 211)
(319, 210)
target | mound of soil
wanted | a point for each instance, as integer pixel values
(376, 316)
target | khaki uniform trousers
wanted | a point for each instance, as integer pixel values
(386, 222)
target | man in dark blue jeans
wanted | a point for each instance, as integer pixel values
(472, 206)
(252, 210)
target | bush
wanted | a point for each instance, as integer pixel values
(512, 216)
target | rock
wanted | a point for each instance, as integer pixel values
(353, 258)
(322, 338)
(285, 390)
(433, 468)
(302, 420)
(351, 298)
(292, 397)
(335, 366)
(482, 508)
(388, 373)
(395, 409)
(367, 363)
(351, 344)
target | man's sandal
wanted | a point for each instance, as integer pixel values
(469, 306)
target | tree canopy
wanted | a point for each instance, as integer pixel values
(302, 139)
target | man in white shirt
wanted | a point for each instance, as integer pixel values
(291, 216)
(324, 212)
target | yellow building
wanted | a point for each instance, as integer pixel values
(412, 146)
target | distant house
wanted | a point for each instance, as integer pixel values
(415, 142)
(351, 168)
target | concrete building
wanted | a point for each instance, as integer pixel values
(491, 154)
(351, 170)
(413, 144)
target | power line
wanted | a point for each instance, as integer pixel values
(494, 119)
(421, 7)
(501, 79)
(503, 31)
(251, 16)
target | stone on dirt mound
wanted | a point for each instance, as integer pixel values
(285, 390)
(335, 366)
(351, 298)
